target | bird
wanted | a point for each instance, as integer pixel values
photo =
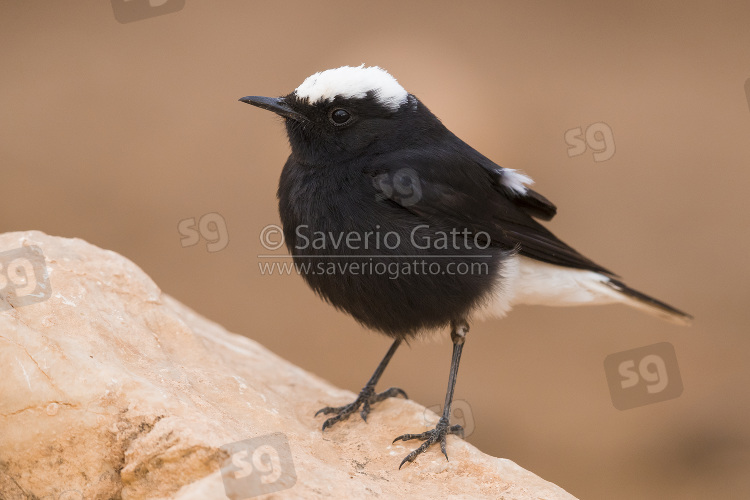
(393, 219)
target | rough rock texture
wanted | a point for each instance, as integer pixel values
(112, 389)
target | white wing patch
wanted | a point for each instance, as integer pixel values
(515, 180)
(353, 82)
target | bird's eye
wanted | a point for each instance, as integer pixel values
(340, 116)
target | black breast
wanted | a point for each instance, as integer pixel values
(390, 268)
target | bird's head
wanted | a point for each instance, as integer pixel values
(346, 112)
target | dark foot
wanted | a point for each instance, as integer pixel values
(366, 398)
(439, 433)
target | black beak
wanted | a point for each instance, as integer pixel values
(276, 104)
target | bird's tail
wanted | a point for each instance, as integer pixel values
(648, 304)
(541, 283)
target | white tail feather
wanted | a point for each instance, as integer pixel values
(532, 282)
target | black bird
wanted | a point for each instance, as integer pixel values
(392, 218)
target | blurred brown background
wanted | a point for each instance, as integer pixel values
(116, 132)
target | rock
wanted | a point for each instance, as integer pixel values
(112, 389)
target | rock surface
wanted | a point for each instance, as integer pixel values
(112, 389)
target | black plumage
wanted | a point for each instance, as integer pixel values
(329, 183)
(377, 164)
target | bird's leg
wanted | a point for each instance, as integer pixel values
(367, 396)
(459, 329)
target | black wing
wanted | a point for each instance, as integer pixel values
(460, 187)
(530, 201)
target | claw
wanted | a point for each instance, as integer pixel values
(409, 458)
(407, 437)
(365, 410)
(326, 410)
(458, 430)
(366, 398)
(390, 393)
(439, 433)
(328, 423)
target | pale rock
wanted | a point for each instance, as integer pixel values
(112, 389)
